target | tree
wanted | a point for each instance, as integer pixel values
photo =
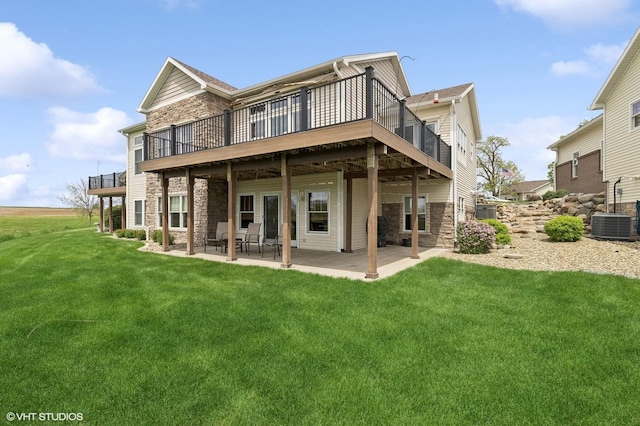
(497, 176)
(78, 198)
(550, 171)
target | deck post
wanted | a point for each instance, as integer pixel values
(190, 214)
(227, 127)
(165, 213)
(286, 212)
(231, 213)
(372, 221)
(369, 91)
(414, 215)
(401, 118)
(111, 227)
(101, 214)
(123, 213)
(304, 109)
(174, 140)
(349, 218)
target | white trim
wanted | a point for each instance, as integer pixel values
(306, 218)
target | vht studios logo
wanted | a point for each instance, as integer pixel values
(51, 417)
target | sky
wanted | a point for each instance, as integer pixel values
(73, 72)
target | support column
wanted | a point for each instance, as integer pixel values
(372, 221)
(231, 213)
(349, 218)
(286, 212)
(123, 214)
(111, 227)
(414, 215)
(101, 214)
(190, 214)
(165, 213)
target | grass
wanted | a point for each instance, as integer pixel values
(89, 324)
(20, 222)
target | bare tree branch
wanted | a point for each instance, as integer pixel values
(78, 198)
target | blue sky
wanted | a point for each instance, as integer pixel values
(73, 72)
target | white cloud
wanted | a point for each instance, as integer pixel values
(173, 4)
(88, 136)
(562, 68)
(30, 69)
(600, 59)
(12, 185)
(571, 13)
(16, 163)
(529, 140)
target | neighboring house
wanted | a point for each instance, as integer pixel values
(578, 165)
(530, 188)
(318, 156)
(619, 99)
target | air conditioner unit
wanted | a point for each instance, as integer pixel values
(611, 226)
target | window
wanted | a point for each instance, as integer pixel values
(462, 139)
(184, 138)
(257, 124)
(461, 209)
(138, 213)
(138, 140)
(422, 213)
(318, 208)
(247, 214)
(138, 159)
(279, 121)
(635, 115)
(574, 165)
(177, 211)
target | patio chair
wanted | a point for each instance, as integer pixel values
(220, 237)
(276, 243)
(252, 237)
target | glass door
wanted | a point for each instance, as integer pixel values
(272, 220)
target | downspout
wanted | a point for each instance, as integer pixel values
(615, 194)
(336, 70)
(454, 167)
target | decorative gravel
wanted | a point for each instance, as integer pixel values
(539, 253)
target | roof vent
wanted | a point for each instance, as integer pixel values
(611, 226)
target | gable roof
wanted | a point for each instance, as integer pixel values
(209, 83)
(597, 121)
(621, 67)
(447, 95)
(531, 185)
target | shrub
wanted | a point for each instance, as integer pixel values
(117, 217)
(554, 194)
(130, 233)
(502, 232)
(564, 228)
(120, 233)
(475, 237)
(141, 234)
(157, 237)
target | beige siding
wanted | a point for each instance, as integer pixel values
(302, 185)
(360, 214)
(175, 86)
(384, 71)
(136, 184)
(466, 173)
(622, 149)
(584, 143)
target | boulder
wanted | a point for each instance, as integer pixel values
(584, 198)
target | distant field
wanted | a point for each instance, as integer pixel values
(18, 222)
(36, 211)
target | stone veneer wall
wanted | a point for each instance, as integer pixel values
(177, 186)
(196, 107)
(440, 233)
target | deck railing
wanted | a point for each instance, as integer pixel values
(347, 100)
(111, 180)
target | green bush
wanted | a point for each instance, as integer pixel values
(120, 233)
(502, 232)
(564, 228)
(157, 237)
(117, 217)
(475, 237)
(141, 234)
(554, 194)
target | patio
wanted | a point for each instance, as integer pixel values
(391, 259)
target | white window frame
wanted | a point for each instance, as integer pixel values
(181, 211)
(137, 161)
(309, 211)
(138, 213)
(635, 115)
(461, 138)
(574, 164)
(240, 211)
(406, 204)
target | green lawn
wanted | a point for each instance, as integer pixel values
(90, 325)
(23, 226)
